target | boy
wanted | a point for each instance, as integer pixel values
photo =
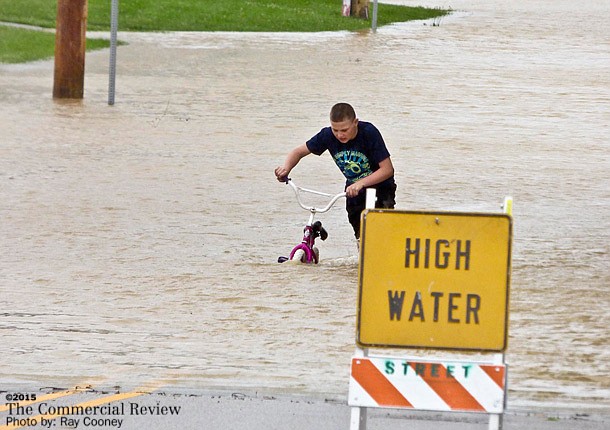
(360, 153)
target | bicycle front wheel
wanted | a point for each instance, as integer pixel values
(299, 256)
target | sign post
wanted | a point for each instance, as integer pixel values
(374, 20)
(114, 25)
(433, 280)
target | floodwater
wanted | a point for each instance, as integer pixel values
(139, 241)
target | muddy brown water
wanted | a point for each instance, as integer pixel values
(139, 241)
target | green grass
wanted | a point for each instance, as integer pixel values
(214, 15)
(18, 45)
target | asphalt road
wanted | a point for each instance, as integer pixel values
(220, 410)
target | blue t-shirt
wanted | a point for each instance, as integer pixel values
(357, 158)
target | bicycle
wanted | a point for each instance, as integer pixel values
(306, 251)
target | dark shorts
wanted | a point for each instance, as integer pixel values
(386, 196)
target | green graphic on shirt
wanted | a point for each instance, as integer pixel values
(354, 164)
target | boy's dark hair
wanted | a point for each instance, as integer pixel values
(342, 112)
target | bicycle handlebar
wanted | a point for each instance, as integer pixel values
(314, 209)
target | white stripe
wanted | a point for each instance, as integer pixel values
(413, 388)
(357, 396)
(483, 389)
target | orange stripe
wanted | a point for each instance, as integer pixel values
(496, 373)
(448, 388)
(376, 384)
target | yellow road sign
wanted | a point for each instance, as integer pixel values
(434, 280)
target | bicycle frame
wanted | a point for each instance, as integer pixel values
(305, 251)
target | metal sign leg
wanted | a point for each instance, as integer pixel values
(359, 414)
(495, 422)
(358, 419)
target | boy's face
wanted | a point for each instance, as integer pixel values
(345, 130)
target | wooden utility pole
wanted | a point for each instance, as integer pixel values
(360, 8)
(70, 41)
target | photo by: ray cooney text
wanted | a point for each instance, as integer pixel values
(86, 415)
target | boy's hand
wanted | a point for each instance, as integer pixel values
(281, 174)
(353, 190)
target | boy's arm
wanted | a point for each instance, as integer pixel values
(385, 171)
(292, 159)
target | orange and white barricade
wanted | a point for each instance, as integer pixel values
(406, 383)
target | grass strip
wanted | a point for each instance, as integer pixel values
(19, 45)
(215, 15)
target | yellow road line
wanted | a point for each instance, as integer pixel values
(147, 389)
